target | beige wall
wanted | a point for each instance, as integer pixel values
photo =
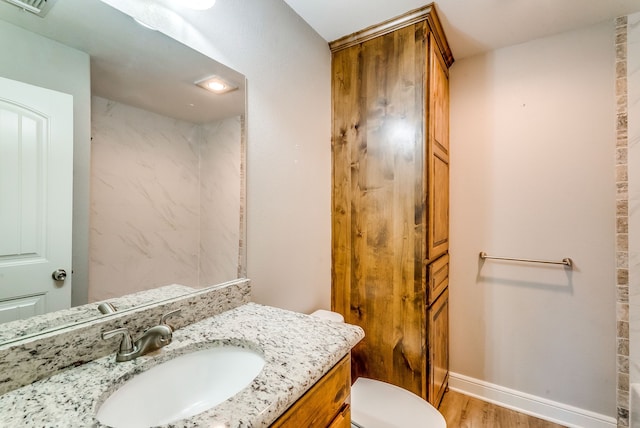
(34, 59)
(532, 175)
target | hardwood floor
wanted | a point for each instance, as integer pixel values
(462, 411)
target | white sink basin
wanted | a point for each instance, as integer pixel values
(181, 387)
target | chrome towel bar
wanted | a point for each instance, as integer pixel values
(566, 261)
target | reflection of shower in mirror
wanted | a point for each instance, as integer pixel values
(111, 66)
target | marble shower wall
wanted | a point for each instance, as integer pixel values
(147, 219)
(220, 187)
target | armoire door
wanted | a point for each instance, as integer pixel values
(390, 152)
(378, 202)
(437, 162)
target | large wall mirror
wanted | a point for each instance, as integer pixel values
(165, 182)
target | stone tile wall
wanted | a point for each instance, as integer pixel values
(622, 225)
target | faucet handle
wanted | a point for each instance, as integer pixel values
(126, 345)
(163, 319)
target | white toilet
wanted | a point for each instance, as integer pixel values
(376, 404)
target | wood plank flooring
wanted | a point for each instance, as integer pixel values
(462, 411)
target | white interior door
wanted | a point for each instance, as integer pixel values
(36, 173)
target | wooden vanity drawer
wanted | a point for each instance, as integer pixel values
(438, 278)
(343, 420)
(324, 404)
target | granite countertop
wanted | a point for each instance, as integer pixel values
(298, 350)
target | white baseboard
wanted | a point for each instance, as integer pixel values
(539, 407)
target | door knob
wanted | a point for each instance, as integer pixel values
(59, 275)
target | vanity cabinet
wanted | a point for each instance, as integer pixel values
(390, 199)
(325, 405)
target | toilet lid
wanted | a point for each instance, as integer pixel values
(376, 404)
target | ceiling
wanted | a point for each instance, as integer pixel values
(472, 26)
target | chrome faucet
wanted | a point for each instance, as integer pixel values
(153, 338)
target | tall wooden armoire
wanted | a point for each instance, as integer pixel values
(390, 206)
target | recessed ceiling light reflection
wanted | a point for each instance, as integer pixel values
(217, 85)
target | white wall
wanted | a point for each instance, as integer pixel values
(34, 59)
(532, 175)
(287, 66)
